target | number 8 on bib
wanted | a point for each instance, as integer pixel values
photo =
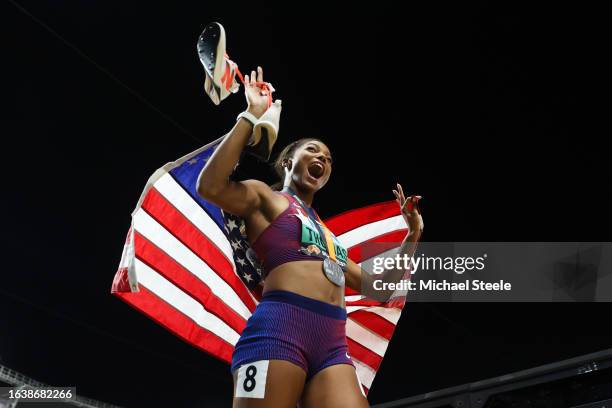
(251, 380)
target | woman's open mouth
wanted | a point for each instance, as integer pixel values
(316, 170)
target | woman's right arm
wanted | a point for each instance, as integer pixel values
(214, 185)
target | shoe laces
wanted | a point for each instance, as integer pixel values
(228, 79)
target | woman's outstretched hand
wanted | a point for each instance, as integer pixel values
(257, 98)
(410, 210)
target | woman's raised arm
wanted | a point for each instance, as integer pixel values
(214, 185)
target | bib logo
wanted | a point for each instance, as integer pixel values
(313, 250)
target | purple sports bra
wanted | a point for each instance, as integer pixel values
(280, 243)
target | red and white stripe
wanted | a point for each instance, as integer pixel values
(370, 325)
(186, 276)
(187, 281)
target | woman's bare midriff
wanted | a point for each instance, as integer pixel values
(305, 278)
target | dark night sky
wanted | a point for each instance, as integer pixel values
(485, 111)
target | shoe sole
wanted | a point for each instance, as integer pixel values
(211, 50)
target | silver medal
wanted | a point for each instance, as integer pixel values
(334, 272)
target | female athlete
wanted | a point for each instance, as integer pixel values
(293, 349)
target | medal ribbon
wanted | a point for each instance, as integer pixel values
(331, 248)
(323, 230)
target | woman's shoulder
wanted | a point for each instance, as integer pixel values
(258, 184)
(267, 194)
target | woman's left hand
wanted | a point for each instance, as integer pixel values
(410, 210)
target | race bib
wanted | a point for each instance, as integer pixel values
(251, 380)
(314, 244)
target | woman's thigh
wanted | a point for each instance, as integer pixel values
(333, 387)
(282, 387)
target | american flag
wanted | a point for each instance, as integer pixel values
(187, 265)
